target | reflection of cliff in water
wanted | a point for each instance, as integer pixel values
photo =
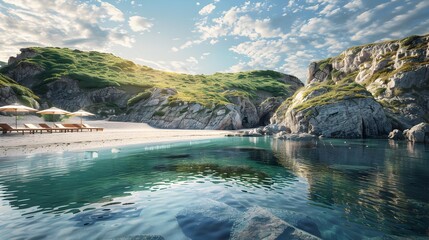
(374, 180)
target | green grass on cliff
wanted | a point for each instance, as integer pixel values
(25, 95)
(98, 70)
(333, 92)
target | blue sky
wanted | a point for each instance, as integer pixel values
(208, 36)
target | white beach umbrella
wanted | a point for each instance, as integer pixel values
(16, 108)
(53, 111)
(81, 113)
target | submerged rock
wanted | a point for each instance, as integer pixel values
(419, 133)
(258, 223)
(298, 220)
(91, 217)
(207, 219)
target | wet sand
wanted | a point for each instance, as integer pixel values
(115, 134)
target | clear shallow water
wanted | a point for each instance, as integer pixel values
(348, 189)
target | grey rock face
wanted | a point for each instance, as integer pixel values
(24, 73)
(395, 72)
(159, 111)
(66, 93)
(418, 133)
(351, 118)
(267, 109)
(7, 96)
(25, 53)
(258, 223)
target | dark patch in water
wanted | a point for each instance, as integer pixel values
(258, 155)
(109, 204)
(178, 156)
(309, 226)
(207, 220)
(90, 217)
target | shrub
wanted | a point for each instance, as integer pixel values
(137, 98)
(159, 113)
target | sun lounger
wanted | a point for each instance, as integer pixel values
(5, 128)
(86, 126)
(67, 129)
(36, 128)
(72, 125)
(83, 127)
(56, 129)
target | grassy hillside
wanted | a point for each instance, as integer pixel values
(97, 70)
(25, 95)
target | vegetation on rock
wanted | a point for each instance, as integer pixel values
(331, 93)
(97, 70)
(25, 95)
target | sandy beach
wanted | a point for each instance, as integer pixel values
(115, 134)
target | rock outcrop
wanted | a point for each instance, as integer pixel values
(418, 133)
(363, 92)
(343, 110)
(11, 92)
(395, 72)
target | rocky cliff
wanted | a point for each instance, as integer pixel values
(363, 92)
(12, 92)
(118, 89)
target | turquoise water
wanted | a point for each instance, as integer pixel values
(343, 189)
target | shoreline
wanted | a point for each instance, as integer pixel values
(115, 134)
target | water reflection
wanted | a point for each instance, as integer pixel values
(382, 185)
(94, 177)
(377, 183)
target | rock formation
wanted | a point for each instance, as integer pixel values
(11, 92)
(140, 100)
(418, 133)
(363, 92)
(396, 73)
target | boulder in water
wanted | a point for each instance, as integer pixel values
(207, 219)
(258, 223)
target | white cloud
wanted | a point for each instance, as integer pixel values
(87, 26)
(235, 22)
(140, 24)
(188, 66)
(192, 60)
(112, 12)
(313, 8)
(206, 10)
(354, 5)
(204, 55)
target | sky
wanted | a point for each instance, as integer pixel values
(208, 36)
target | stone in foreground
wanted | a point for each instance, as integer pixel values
(207, 219)
(258, 223)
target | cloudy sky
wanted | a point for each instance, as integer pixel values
(207, 36)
